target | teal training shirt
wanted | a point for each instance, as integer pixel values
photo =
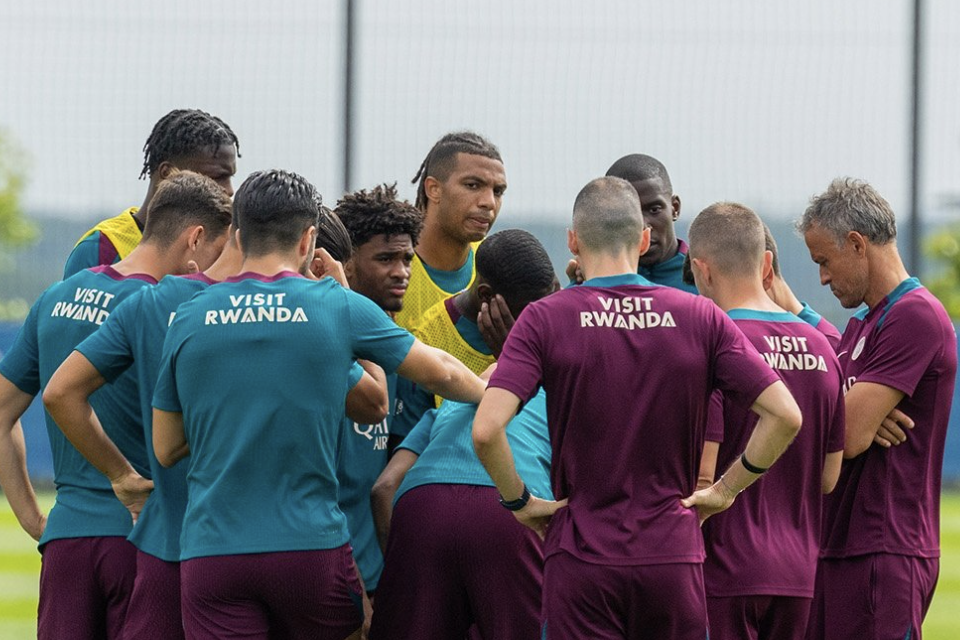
(454, 281)
(132, 340)
(261, 475)
(62, 317)
(669, 273)
(362, 457)
(444, 442)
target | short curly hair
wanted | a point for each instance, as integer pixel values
(366, 214)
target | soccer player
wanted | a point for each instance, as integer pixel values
(624, 550)
(383, 231)
(478, 565)
(187, 139)
(88, 566)
(264, 544)
(663, 261)
(460, 189)
(513, 269)
(762, 552)
(132, 339)
(881, 540)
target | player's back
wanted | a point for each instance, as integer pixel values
(628, 368)
(767, 542)
(130, 343)
(65, 314)
(259, 368)
(443, 440)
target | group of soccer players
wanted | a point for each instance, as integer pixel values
(273, 419)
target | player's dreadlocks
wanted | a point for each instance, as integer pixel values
(366, 214)
(439, 161)
(183, 132)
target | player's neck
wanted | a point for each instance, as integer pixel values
(148, 259)
(886, 273)
(600, 265)
(468, 304)
(440, 251)
(228, 264)
(271, 264)
(742, 293)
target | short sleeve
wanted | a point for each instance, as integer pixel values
(906, 343)
(739, 369)
(109, 348)
(84, 256)
(356, 373)
(520, 365)
(165, 395)
(21, 364)
(418, 438)
(375, 336)
(714, 431)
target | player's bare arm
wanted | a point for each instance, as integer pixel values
(67, 399)
(13, 460)
(779, 424)
(368, 401)
(441, 373)
(169, 440)
(381, 496)
(868, 406)
(708, 464)
(496, 410)
(831, 471)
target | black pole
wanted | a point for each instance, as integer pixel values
(913, 256)
(349, 40)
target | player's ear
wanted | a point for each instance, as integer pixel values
(675, 201)
(236, 238)
(858, 243)
(701, 271)
(644, 240)
(572, 243)
(432, 188)
(195, 236)
(349, 269)
(766, 270)
(485, 292)
(308, 241)
(165, 170)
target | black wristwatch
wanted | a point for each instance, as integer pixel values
(519, 503)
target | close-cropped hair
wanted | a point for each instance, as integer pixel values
(186, 199)
(272, 209)
(378, 211)
(851, 205)
(441, 159)
(607, 216)
(515, 264)
(730, 236)
(183, 133)
(638, 167)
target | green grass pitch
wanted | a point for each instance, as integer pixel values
(20, 571)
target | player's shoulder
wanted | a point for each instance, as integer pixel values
(916, 310)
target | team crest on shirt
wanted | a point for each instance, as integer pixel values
(857, 350)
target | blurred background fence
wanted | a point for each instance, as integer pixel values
(762, 103)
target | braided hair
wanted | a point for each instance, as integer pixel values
(183, 132)
(439, 161)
